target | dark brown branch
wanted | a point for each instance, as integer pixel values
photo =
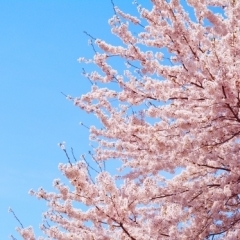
(115, 220)
(217, 168)
(200, 86)
(226, 140)
(213, 185)
(165, 235)
(125, 230)
(168, 195)
(195, 197)
(234, 114)
(224, 93)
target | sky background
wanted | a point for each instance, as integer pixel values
(39, 46)
(40, 42)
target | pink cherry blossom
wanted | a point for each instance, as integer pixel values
(173, 109)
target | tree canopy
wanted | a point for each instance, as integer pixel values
(168, 100)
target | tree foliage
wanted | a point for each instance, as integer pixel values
(168, 99)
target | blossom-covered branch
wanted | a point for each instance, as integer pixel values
(185, 123)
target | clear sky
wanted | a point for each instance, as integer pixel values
(39, 46)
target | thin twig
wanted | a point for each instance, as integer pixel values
(132, 65)
(113, 5)
(13, 238)
(91, 43)
(10, 210)
(89, 35)
(95, 161)
(73, 155)
(84, 125)
(85, 74)
(67, 96)
(89, 164)
(67, 157)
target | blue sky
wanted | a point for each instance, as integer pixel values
(39, 47)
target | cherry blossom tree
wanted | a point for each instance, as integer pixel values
(168, 100)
